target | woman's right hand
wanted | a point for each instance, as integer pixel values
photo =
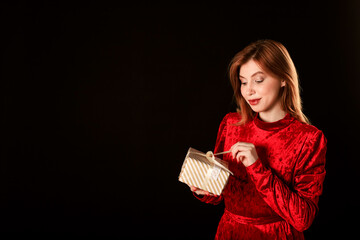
(199, 191)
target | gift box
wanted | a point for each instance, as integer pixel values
(204, 171)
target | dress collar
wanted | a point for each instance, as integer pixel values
(271, 126)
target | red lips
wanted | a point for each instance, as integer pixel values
(254, 101)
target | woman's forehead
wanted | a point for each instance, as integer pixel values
(250, 69)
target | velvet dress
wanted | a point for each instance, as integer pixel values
(277, 196)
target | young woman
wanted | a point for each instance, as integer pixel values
(277, 157)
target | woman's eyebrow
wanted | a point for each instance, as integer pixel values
(258, 72)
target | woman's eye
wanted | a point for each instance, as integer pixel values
(243, 83)
(259, 80)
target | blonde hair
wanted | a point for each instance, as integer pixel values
(273, 57)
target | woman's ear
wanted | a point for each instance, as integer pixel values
(283, 83)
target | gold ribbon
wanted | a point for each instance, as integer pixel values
(211, 157)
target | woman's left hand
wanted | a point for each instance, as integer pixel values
(244, 152)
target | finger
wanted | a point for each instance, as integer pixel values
(243, 146)
(239, 148)
(240, 159)
(240, 156)
(206, 193)
(201, 192)
(233, 146)
(234, 152)
(234, 149)
(245, 143)
(211, 194)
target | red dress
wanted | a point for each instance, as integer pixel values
(277, 196)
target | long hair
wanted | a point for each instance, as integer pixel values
(273, 57)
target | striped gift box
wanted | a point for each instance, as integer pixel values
(204, 172)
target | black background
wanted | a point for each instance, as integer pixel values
(101, 102)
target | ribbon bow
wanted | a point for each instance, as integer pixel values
(211, 157)
(215, 169)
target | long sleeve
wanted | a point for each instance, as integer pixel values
(221, 135)
(209, 199)
(219, 147)
(297, 204)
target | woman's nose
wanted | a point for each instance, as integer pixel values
(250, 90)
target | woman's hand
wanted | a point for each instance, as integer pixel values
(201, 192)
(244, 152)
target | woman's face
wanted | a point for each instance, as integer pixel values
(260, 89)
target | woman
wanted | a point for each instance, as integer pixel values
(277, 157)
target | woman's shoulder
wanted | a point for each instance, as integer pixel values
(307, 129)
(231, 118)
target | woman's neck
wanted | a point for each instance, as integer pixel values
(272, 116)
